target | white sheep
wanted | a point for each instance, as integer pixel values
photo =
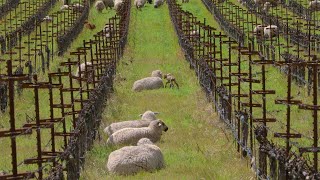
(258, 31)
(99, 5)
(117, 5)
(129, 136)
(63, 7)
(108, 3)
(314, 5)
(139, 3)
(86, 71)
(132, 159)
(146, 118)
(47, 19)
(148, 83)
(270, 31)
(158, 3)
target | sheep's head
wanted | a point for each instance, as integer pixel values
(159, 125)
(143, 141)
(149, 115)
(156, 73)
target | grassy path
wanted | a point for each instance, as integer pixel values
(196, 145)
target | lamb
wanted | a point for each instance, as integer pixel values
(314, 5)
(108, 3)
(131, 159)
(158, 3)
(270, 31)
(148, 83)
(118, 5)
(170, 79)
(129, 136)
(89, 25)
(146, 118)
(86, 71)
(258, 31)
(139, 3)
(99, 5)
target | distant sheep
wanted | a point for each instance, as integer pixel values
(86, 71)
(139, 3)
(270, 31)
(170, 80)
(64, 7)
(108, 30)
(158, 3)
(108, 3)
(149, 83)
(47, 19)
(266, 6)
(258, 31)
(129, 136)
(314, 5)
(146, 118)
(132, 159)
(99, 5)
(118, 5)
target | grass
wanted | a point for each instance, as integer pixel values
(196, 145)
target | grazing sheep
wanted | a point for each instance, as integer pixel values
(146, 118)
(266, 6)
(131, 159)
(158, 3)
(118, 5)
(170, 79)
(108, 3)
(139, 3)
(156, 73)
(47, 19)
(86, 71)
(270, 31)
(89, 25)
(99, 5)
(258, 31)
(129, 136)
(314, 5)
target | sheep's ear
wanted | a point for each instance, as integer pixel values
(159, 124)
(156, 113)
(140, 115)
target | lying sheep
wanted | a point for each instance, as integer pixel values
(86, 71)
(146, 118)
(139, 3)
(99, 5)
(270, 31)
(108, 3)
(314, 5)
(258, 31)
(118, 5)
(148, 83)
(129, 136)
(131, 159)
(170, 80)
(158, 3)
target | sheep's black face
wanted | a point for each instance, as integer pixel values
(164, 126)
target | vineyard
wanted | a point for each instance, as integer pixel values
(247, 99)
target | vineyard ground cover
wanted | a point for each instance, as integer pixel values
(302, 120)
(25, 103)
(195, 146)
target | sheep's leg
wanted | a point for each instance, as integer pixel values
(176, 84)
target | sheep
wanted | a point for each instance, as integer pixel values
(158, 3)
(139, 3)
(86, 71)
(108, 3)
(258, 31)
(170, 79)
(146, 118)
(47, 19)
(270, 31)
(99, 5)
(118, 5)
(148, 83)
(156, 73)
(108, 30)
(314, 5)
(89, 25)
(129, 136)
(63, 7)
(131, 159)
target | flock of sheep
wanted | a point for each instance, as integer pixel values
(139, 152)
